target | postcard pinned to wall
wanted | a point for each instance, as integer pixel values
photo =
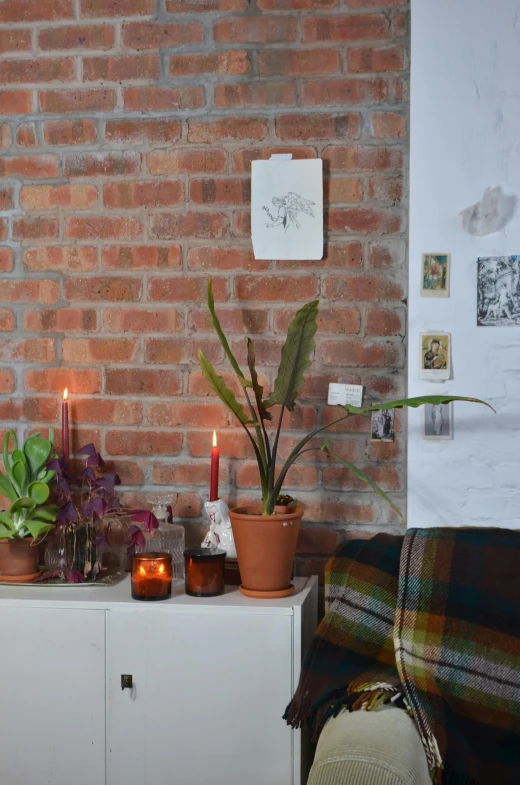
(438, 421)
(383, 425)
(435, 275)
(435, 356)
(498, 291)
(287, 209)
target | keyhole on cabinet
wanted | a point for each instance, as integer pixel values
(126, 681)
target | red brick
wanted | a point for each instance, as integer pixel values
(35, 10)
(6, 261)
(129, 472)
(355, 424)
(386, 189)
(267, 351)
(103, 227)
(171, 226)
(336, 321)
(362, 159)
(354, 27)
(120, 289)
(318, 126)
(32, 166)
(343, 190)
(6, 198)
(119, 320)
(16, 101)
(109, 164)
(276, 288)
(28, 351)
(383, 451)
(56, 379)
(41, 409)
(344, 91)
(219, 129)
(3, 229)
(335, 511)
(198, 385)
(48, 69)
(142, 257)
(319, 541)
(77, 37)
(186, 474)
(79, 258)
(173, 351)
(156, 131)
(346, 255)
(400, 23)
(255, 29)
(385, 255)
(296, 5)
(388, 125)
(120, 68)
(364, 288)
(184, 289)
(133, 195)
(362, 220)
(383, 387)
(373, 3)
(186, 160)
(380, 321)
(233, 63)
(35, 228)
(69, 132)
(15, 40)
(197, 415)
(337, 477)
(359, 354)
(99, 8)
(255, 94)
(61, 320)
(143, 443)
(233, 444)
(204, 6)
(162, 99)
(242, 158)
(298, 62)
(236, 320)
(371, 59)
(26, 135)
(65, 101)
(5, 135)
(136, 381)
(51, 197)
(222, 191)
(298, 476)
(98, 350)
(106, 412)
(224, 259)
(149, 35)
(7, 383)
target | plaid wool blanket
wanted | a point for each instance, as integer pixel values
(449, 607)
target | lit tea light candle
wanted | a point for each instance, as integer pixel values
(152, 576)
(65, 425)
(213, 483)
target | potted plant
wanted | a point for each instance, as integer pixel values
(265, 539)
(26, 485)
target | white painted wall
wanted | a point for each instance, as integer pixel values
(465, 136)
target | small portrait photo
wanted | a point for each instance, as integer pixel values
(435, 275)
(435, 356)
(383, 425)
(438, 421)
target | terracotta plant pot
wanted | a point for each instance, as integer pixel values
(265, 545)
(18, 560)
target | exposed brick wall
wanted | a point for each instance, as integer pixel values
(128, 131)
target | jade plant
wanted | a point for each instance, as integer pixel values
(295, 360)
(26, 485)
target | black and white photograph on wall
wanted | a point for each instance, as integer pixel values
(498, 291)
(438, 421)
(383, 426)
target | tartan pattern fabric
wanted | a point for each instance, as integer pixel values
(457, 634)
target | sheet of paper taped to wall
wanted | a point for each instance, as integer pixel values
(287, 208)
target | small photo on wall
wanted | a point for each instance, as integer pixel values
(383, 425)
(435, 356)
(498, 291)
(435, 275)
(438, 422)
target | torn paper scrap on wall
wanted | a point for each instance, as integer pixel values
(491, 214)
(287, 209)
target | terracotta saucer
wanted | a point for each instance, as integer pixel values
(20, 578)
(268, 595)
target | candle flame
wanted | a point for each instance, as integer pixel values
(142, 570)
(214, 439)
(65, 394)
(161, 569)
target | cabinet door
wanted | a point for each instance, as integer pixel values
(208, 698)
(52, 697)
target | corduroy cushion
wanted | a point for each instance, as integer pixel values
(370, 748)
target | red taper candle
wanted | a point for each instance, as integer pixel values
(65, 426)
(213, 483)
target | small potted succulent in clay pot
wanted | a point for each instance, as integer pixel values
(266, 534)
(29, 517)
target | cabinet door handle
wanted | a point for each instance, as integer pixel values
(126, 681)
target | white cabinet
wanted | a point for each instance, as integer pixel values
(211, 679)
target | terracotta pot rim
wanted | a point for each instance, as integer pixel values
(20, 540)
(249, 513)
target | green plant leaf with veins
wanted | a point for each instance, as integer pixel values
(218, 386)
(414, 403)
(257, 387)
(19, 473)
(222, 338)
(37, 452)
(38, 492)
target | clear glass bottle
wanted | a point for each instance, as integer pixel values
(168, 538)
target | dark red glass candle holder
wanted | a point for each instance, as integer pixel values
(204, 571)
(151, 576)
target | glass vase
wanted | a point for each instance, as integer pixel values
(168, 538)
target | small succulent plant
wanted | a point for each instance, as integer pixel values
(26, 484)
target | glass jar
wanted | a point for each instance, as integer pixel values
(168, 538)
(73, 548)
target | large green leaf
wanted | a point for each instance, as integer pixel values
(24, 503)
(222, 338)
(6, 488)
(5, 533)
(37, 451)
(47, 513)
(360, 475)
(296, 357)
(19, 473)
(257, 387)
(414, 403)
(38, 492)
(46, 476)
(35, 528)
(218, 386)
(6, 520)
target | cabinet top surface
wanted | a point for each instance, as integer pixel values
(119, 597)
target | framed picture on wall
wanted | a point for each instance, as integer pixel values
(435, 354)
(435, 275)
(438, 422)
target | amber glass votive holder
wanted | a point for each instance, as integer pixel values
(152, 576)
(204, 571)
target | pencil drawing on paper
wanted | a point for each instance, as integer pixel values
(288, 208)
